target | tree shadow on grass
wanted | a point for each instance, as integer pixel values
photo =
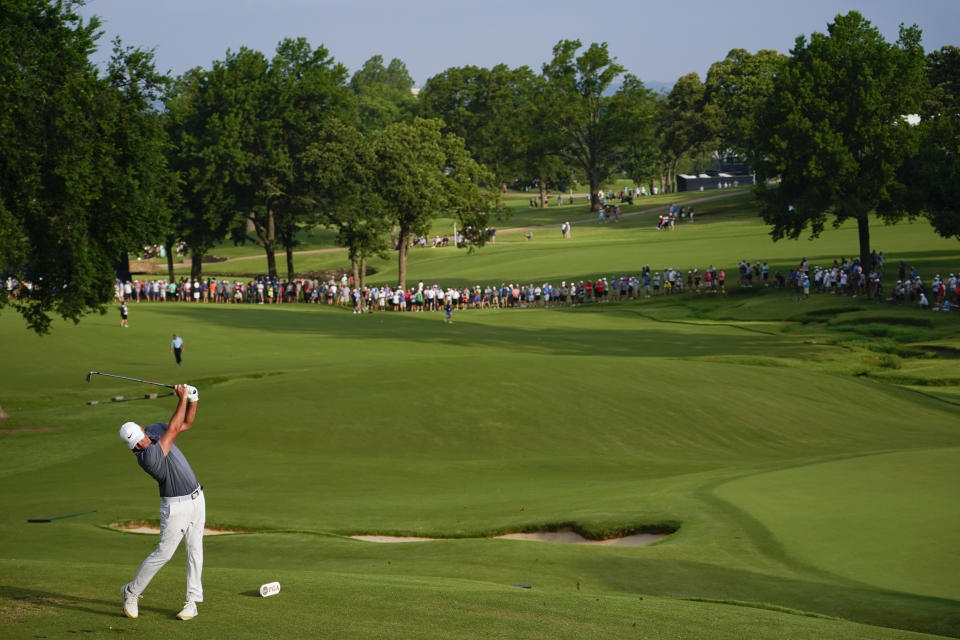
(645, 339)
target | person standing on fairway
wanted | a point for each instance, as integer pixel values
(124, 312)
(176, 345)
(182, 505)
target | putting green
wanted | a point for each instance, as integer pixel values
(905, 504)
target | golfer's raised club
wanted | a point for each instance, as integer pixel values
(110, 375)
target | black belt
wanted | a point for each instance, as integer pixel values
(190, 496)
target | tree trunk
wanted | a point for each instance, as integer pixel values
(543, 194)
(270, 244)
(402, 266)
(594, 200)
(169, 248)
(196, 266)
(863, 229)
(290, 273)
(123, 267)
(355, 267)
(363, 273)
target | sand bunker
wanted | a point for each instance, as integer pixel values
(139, 527)
(566, 536)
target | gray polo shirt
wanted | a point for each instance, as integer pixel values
(172, 471)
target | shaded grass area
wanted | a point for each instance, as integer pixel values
(406, 606)
(909, 537)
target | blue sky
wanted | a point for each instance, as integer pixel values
(656, 41)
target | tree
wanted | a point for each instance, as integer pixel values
(340, 166)
(70, 207)
(834, 129)
(384, 94)
(136, 175)
(736, 87)
(635, 109)
(251, 99)
(421, 173)
(204, 157)
(489, 108)
(687, 124)
(933, 174)
(578, 109)
(307, 90)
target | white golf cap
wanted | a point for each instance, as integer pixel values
(131, 433)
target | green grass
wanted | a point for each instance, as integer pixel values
(805, 452)
(912, 519)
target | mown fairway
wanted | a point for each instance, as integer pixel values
(807, 453)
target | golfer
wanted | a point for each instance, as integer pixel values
(176, 345)
(182, 505)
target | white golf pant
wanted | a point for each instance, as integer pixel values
(180, 518)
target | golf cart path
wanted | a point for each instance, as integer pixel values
(507, 230)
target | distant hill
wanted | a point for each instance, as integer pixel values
(655, 85)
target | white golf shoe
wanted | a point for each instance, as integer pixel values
(130, 605)
(189, 611)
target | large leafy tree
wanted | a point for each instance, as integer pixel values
(252, 101)
(578, 109)
(308, 88)
(340, 167)
(206, 157)
(635, 110)
(737, 87)
(137, 177)
(834, 129)
(490, 109)
(384, 94)
(933, 174)
(421, 173)
(687, 124)
(70, 203)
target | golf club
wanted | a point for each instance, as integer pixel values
(110, 375)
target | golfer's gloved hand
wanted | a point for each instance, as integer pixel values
(192, 394)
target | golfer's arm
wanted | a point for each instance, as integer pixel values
(175, 426)
(190, 415)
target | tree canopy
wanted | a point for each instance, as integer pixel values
(932, 175)
(835, 134)
(78, 156)
(578, 109)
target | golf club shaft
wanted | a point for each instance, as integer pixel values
(110, 375)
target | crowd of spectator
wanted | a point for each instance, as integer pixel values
(842, 277)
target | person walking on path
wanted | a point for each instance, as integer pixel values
(182, 506)
(176, 345)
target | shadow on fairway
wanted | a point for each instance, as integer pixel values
(26, 600)
(705, 582)
(646, 338)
